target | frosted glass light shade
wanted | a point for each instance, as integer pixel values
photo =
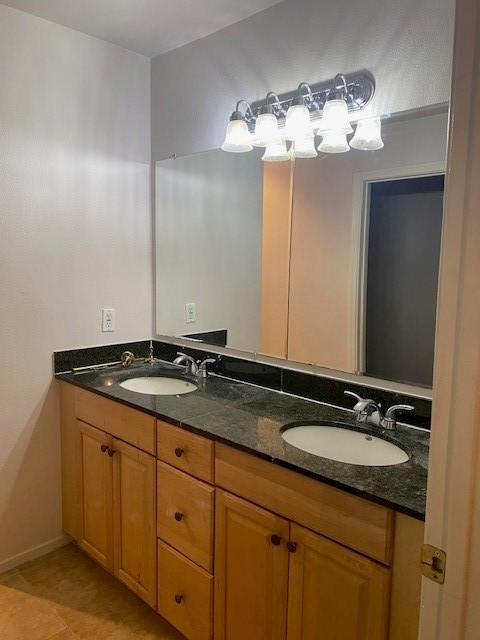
(276, 151)
(266, 130)
(368, 135)
(333, 142)
(238, 138)
(305, 147)
(335, 117)
(297, 124)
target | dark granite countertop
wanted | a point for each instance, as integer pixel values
(251, 418)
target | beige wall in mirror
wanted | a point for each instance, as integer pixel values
(305, 259)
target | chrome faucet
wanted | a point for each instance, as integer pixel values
(191, 367)
(202, 369)
(367, 411)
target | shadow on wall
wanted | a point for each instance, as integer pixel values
(32, 468)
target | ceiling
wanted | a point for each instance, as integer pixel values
(150, 27)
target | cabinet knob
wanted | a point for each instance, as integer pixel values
(178, 598)
(291, 546)
(178, 516)
(111, 452)
(103, 448)
(275, 539)
(178, 452)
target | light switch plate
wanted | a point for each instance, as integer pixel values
(108, 320)
(190, 312)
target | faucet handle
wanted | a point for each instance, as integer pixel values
(398, 407)
(202, 368)
(353, 395)
(389, 422)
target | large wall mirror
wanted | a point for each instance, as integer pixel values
(331, 261)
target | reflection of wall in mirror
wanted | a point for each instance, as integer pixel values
(322, 298)
(208, 245)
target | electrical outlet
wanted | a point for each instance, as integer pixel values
(190, 312)
(108, 320)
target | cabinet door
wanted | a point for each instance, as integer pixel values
(251, 571)
(134, 520)
(96, 530)
(334, 593)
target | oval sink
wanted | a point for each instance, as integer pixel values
(344, 445)
(159, 386)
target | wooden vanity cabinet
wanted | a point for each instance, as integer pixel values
(277, 580)
(228, 546)
(336, 590)
(109, 493)
(134, 533)
(251, 571)
(96, 479)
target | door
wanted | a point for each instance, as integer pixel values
(96, 494)
(134, 520)
(334, 593)
(251, 571)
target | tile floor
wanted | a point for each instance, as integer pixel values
(65, 596)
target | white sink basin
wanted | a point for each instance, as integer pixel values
(159, 386)
(344, 445)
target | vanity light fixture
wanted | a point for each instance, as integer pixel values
(368, 135)
(304, 147)
(335, 117)
(276, 151)
(325, 109)
(238, 138)
(266, 125)
(333, 142)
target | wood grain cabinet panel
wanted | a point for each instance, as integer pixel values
(251, 571)
(334, 593)
(352, 521)
(130, 425)
(185, 451)
(185, 508)
(185, 594)
(134, 520)
(96, 533)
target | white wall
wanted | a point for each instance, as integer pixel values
(75, 235)
(406, 44)
(208, 234)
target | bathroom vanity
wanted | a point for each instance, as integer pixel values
(197, 504)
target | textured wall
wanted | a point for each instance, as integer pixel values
(406, 44)
(75, 235)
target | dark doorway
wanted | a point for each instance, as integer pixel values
(405, 223)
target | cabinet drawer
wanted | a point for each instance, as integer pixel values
(130, 425)
(185, 511)
(133, 426)
(90, 408)
(184, 594)
(340, 516)
(186, 451)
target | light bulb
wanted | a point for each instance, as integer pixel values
(335, 117)
(266, 130)
(297, 123)
(238, 138)
(333, 142)
(368, 135)
(305, 147)
(276, 151)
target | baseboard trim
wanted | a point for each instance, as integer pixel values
(34, 552)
